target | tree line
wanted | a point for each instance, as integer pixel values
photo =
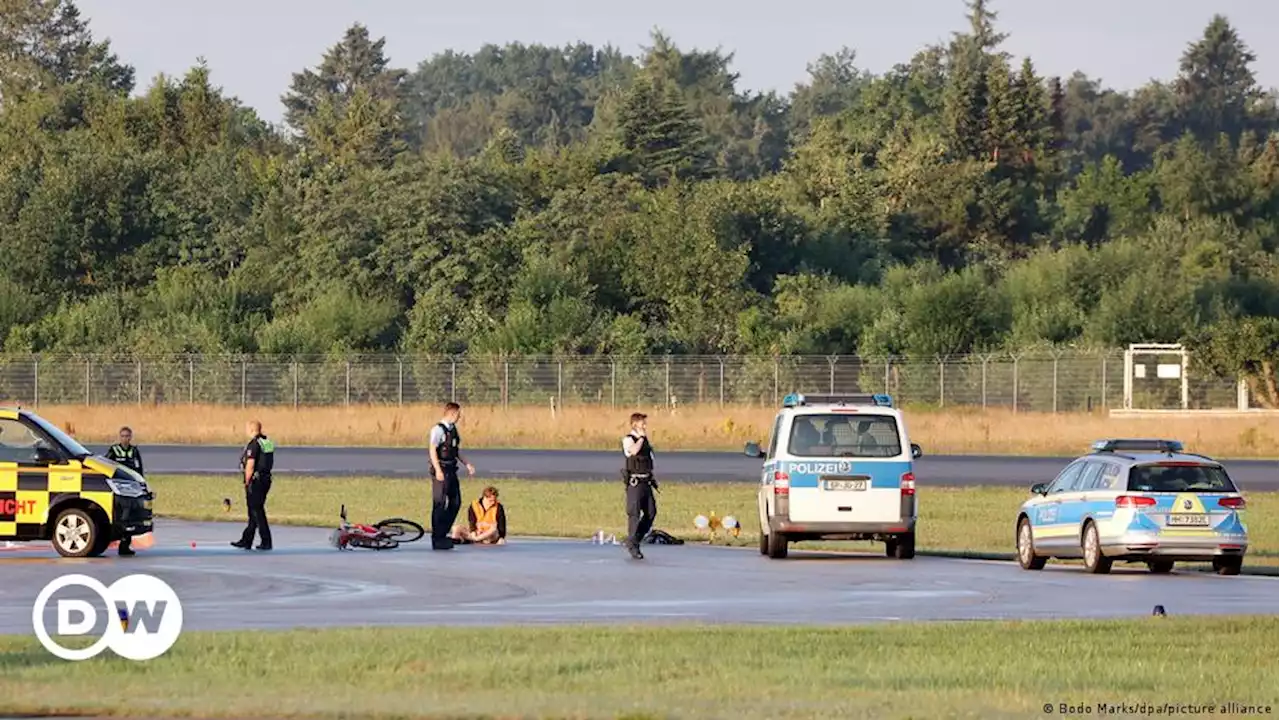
(533, 199)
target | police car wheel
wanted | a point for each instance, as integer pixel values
(76, 534)
(1160, 566)
(1027, 557)
(1094, 561)
(1227, 566)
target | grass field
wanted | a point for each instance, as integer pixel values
(988, 670)
(957, 431)
(956, 519)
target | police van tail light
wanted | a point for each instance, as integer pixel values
(908, 483)
(1133, 501)
(781, 483)
(1235, 503)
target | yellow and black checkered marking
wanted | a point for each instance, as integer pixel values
(28, 494)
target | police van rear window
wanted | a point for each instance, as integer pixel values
(1179, 477)
(840, 435)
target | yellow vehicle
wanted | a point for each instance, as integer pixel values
(53, 488)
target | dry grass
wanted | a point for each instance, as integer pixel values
(958, 431)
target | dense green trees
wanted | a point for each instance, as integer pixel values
(532, 199)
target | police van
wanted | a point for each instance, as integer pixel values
(52, 488)
(838, 467)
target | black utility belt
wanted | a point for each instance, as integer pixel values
(634, 479)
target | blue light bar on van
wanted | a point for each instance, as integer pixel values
(796, 400)
(1137, 445)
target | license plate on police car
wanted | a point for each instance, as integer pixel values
(845, 484)
(1189, 519)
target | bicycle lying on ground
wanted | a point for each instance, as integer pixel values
(382, 535)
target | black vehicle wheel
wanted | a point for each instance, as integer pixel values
(764, 542)
(905, 547)
(1027, 557)
(1094, 561)
(1160, 567)
(77, 534)
(400, 530)
(1228, 565)
(777, 548)
(891, 547)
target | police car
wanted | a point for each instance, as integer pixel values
(1135, 501)
(53, 488)
(838, 467)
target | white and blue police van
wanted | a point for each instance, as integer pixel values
(838, 467)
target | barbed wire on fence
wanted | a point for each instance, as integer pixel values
(1057, 381)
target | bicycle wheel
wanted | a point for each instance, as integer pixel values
(380, 543)
(400, 529)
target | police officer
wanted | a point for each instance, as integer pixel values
(126, 454)
(446, 493)
(256, 461)
(642, 507)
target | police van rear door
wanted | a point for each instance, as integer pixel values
(846, 464)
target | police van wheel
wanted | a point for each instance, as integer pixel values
(904, 546)
(76, 534)
(764, 542)
(777, 547)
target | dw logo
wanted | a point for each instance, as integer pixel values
(142, 621)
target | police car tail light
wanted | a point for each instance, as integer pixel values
(1134, 501)
(1235, 503)
(781, 483)
(908, 483)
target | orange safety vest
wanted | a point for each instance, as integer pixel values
(486, 520)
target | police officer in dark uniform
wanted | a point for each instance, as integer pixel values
(642, 507)
(444, 445)
(256, 461)
(126, 454)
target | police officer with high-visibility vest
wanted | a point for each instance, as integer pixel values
(257, 460)
(642, 507)
(444, 448)
(125, 453)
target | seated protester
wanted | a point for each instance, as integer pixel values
(486, 521)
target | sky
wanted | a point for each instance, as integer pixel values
(253, 47)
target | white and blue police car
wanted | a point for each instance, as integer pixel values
(838, 467)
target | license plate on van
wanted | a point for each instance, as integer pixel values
(843, 485)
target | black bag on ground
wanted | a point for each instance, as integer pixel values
(661, 537)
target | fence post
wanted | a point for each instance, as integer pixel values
(399, 381)
(1015, 383)
(294, 367)
(888, 363)
(139, 381)
(35, 371)
(1104, 380)
(560, 384)
(721, 382)
(1055, 383)
(506, 382)
(667, 401)
(244, 371)
(191, 380)
(984, 382)
(347, 400)
(776, 370)
(613, 383)
(88, 364)
(453, 379)
(942, 382)
(831, 377)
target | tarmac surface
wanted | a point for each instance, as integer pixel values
(305, 582)
(949, 470)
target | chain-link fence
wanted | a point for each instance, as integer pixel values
(1061, 382)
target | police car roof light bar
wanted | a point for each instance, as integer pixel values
(798, 399)
(1138, 445)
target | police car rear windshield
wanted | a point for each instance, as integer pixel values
(1175, 477)
(68, 442)
(845, 435)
